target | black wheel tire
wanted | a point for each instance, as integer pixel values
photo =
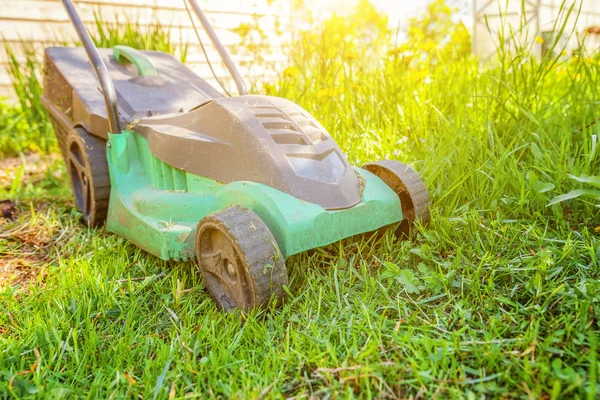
(240, 260)
(407, 184)
(85, 156)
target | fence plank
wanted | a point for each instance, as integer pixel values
(43, 11)
(40, 23)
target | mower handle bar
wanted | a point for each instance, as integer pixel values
(106, 83)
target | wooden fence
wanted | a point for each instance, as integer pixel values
(40, 23)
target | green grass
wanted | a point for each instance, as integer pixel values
(498, 297)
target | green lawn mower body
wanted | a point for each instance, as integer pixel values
(157, 206)
(237, 183)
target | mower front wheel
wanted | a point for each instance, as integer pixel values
(239, 260)
(407, 184)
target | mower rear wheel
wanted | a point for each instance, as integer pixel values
(85, 157)
(407, 184)
(239, 260)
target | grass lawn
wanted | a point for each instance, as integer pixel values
(498, 297)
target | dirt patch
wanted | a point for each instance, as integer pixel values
(8, 210)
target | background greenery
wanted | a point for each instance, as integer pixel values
(499, 296)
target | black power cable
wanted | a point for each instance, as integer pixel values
(204, 50)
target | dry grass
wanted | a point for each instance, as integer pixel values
(30, 168)
(29, 243)
(24, 247)
(24, 253)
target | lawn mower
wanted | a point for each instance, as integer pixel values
(185, 172)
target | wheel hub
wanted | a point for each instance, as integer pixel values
(231, 270)
(224, 280)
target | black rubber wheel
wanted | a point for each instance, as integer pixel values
(407, 184)
(240, 260)
(85, 157)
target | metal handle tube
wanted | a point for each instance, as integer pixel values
(106, 83)
(239, 82)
